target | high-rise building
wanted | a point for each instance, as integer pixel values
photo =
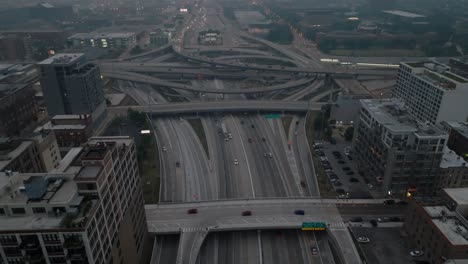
(432, 92)
(20, 156)
(453, 172)
(89, 210)
(398, 152)
(71, 85)
(18, 108)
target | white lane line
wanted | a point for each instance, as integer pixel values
(245, 154)
(260, 251)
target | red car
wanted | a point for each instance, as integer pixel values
(246, 213)
(192, 211)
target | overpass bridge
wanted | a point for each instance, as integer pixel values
(219, 216)
(221, 106)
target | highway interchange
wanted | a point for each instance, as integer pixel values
(243, 154)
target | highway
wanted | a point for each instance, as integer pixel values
(221, 106)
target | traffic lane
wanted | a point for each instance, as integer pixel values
(306, 159)
(281, 247)
(168, 244)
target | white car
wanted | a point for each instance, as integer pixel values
(270, 155)
(370, 186)
(362, 239)
(323, 158)
(342, 196)
(416, 253)
(236, 162)
(164, 148)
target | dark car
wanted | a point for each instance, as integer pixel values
(374, 223)
(246, 213)
(346, 168)
(350, 173)
(336, 152)
(341, 162)
(252, 126)
(299, 212)
(353, 180)
(321, 154)
(402, 203)
(396, 219)
(333, 176)
(340, 191)
(389, 202)
(250, 140)
(192, 211)
(356, 219)
(263, 139)
(177, 164)
(303, 185)
(350, 158)
(337, 183)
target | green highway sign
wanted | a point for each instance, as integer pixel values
(272, 116)
(314, 226)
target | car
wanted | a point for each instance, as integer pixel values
(321, 154)
(340, 191)
(242, 122)
(177, 164)
(252, 126)
(349, 157)
(303, 184)
(323, 158)
(333, 176)
(192, 211)
(356, 219)
(350, 173)
(374, 223)
(383, 219)
(396, 219)
(389, 202)
(343, 196)
(246, 213)
(263, 139)
(326, 163)
(335, 152)
(236, 162)
(346, 168)
(353, 180)
(230, 136)
(226, 139)
(341, 162)
(314, 250)
(363, 239)
(370, 186)
(337, 183)
(299, 212)
(402, 203)
(249, 140)
(164, 148)
(327, 167)
(416, 253)
(270, 155)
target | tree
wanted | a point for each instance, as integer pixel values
(349, 133)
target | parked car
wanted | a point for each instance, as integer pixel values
(299, 212)
(303, 185)
(246, 213)
(402, 203)
(389, 202)
(396, 219)
(363, 239)
(416, 253)
(350, 173)
(343, 196)
(370, 186)
(192, 211)
(236, 162)
(341, 162)
(337, 183)
(383, 219)
(374, 223)
(333, 176)
(177, 164)
(356, 219)
(346, 168)
(353, 180)
(340, 191)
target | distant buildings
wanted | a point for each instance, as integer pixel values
(159, 38)
(48, 149)
(121, 40)
(440, 231)
(18, 108)
(89, 210)
(210, 37)
(396, 150)
(71, 85)
(14, 48)
(20, 156)
(346, 109)
(458, 137)
(432, 92)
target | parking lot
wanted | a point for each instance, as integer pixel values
(385, 246)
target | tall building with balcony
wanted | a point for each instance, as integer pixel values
(71, 85)
(88, 210)
(432, 92)
(399, 153)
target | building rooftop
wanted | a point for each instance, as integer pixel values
(392, 114)
(436, 74)
(450, 159)
(449, 223)
(68, 160)
(460, 127)
(50, 126)
(403, 14)
(459, 195)
(89, 173)
(97, 35)
(62, 59)
(7, 89)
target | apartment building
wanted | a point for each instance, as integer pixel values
(453, 172)
(432, 92)
(71, 85)
(90, 210)
(70, 130)
(397, 152)
(440, 231)
(18, 108)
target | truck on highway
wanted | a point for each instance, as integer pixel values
(225, 132)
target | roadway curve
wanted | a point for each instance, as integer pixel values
(141, 78)
(260, 57)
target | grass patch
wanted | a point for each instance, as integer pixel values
(326, 190)
(149, 169)
(286, 120)
(198, 127)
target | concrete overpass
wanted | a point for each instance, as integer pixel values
(221, 106)
(141, 78)
(219, 216)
